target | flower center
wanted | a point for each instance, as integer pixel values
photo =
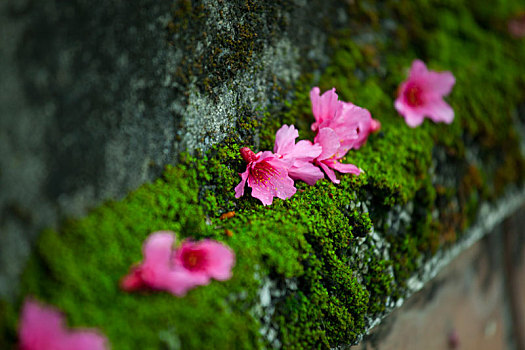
(413, 96)
(193, 259)
(263, 172)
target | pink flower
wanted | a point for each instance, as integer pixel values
(178, 271)
(352, 124)
(42, 328)
(156, 271)
(300, 155)
(331, 154)
(267, 175)
(421, 95)
(205, 260)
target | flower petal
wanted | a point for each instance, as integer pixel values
(285, 139)
(329, 172)
(275, 183)
(239, 189)
(441, 82)
(305, 150)
(329, 141)
(305, 171)
(220, 259)
(418, 69)
(40, 327)
(179, 281)
(413, 117)
(85, 340)
(346, 168)
(440, 111)
(324, 107)
(157, 250)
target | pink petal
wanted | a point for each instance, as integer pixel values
(430, 87)
(266, 197)
(40, 327)
(441, 83)
(179, 281)
(157, 250)
(412, 116)
(440, 111)
(346, 124)
(133, 281)
(285, 139)
(266, 155)
(329, 141)
(329, 172)
(278, 184)
(346, 168)
(220, 259)
(363, 119)
(324, 107)
(305, 150)
(85, 340)
(418, 69)
(239, 189)
(305, 171)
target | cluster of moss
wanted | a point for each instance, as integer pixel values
(310, 238)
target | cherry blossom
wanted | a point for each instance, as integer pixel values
(204, 260)
(179, 270)
(421, 95)
(351, 123)
(267, 175)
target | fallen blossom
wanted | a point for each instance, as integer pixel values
(330, 156)
(179, 270)
(300, 155)
(42, 328)
(352, 123)
(204, 260)
(156, 270)
(267, 175)
(421, 95)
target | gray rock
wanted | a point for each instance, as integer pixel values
(98, 96)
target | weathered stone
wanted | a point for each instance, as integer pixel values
(97, 97)
(468, 305)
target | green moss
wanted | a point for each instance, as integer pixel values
(317, 246)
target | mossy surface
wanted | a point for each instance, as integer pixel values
(330, 274)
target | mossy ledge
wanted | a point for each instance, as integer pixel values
(313, 271)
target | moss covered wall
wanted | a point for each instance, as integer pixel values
(98, 97)
(316, 270)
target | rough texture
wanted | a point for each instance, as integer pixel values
(317, 270)
(468, 305)
(97, 97)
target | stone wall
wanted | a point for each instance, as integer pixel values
(97, 97)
